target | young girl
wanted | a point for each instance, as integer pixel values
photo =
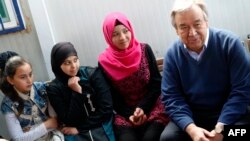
(131, 68)
(132, 71)
(25, 106)
(80, 96)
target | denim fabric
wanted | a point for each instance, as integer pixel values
(35, 108)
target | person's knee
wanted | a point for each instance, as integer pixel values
(166, 136)
(171, 133)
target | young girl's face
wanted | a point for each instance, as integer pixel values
(70, 66)
(23, 78)
(121, 37)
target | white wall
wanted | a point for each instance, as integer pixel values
(80, 22)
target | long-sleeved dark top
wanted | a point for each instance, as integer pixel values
(74, 109)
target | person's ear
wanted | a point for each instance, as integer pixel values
(10, 80)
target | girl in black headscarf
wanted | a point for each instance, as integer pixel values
(80, 96)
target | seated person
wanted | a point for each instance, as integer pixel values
(25, 107)
(80, 96)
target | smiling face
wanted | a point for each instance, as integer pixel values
(22, 79)
(71, 65)
(121, 37)
(191, 27)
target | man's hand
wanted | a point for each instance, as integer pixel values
(217, 136)
(198, 134)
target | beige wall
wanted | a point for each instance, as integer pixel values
(26, 44)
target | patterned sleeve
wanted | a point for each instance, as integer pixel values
(154, 85)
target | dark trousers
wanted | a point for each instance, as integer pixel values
(173, 133)
(147, 132)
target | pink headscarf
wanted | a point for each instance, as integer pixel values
(119, 63)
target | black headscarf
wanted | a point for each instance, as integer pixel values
(59, 53)
(4, 57)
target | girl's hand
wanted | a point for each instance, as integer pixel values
(138, 118)
(51, 123)
(69, 131)
(74, 85)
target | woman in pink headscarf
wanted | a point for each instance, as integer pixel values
(130, 66)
